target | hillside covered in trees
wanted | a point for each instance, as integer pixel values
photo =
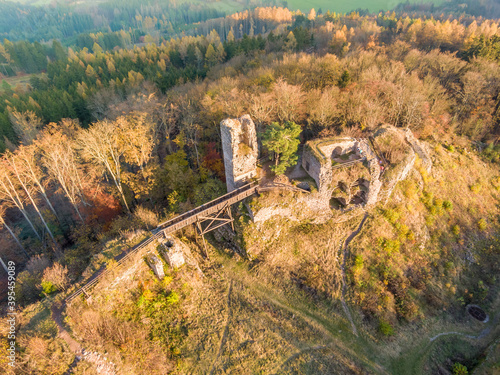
(117, 130)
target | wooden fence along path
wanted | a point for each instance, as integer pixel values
(196, 215)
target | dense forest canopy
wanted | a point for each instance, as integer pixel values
(67, 20)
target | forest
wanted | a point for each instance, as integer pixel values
(118, 130)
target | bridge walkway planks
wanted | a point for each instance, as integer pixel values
(171, 226)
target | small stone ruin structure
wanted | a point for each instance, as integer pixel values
(325, 159)
(350, 174)
(173, 250)
(240, 149)
(156, 265)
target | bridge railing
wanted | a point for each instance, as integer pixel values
(172, 225)
(105, 272)
(237, 194)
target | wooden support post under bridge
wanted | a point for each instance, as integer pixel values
(215, 220)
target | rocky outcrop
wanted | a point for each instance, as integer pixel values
(240, 149)
(390, 183)
(421, 149)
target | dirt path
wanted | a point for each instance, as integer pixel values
(481, 334)
(345, 253)
(103, 366)
(299, 353)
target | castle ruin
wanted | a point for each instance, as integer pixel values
(240, 149)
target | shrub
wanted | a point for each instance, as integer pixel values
(456, 230)
(459, 369)
(428, 199)
(429, 220)
(475, 188)
(390, 246)
(438, 203)
(173, 298)
(48, 288)
(495, 181)
(358, 265)
(392, 216)
(481, 224)
(57, 275)
(447, 205)
(146, 216)
(27, 287)
(385, 328)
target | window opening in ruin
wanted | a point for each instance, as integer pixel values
(307, 166)
(337, 152)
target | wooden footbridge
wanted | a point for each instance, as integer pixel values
(206, 218)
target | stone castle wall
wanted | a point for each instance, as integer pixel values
(240, 149)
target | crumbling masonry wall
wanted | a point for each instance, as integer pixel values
(240, 149)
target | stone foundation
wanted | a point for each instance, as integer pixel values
(174, 251)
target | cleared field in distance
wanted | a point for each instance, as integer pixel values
(341, 6)
(232, 6)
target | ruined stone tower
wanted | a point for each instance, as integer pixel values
(239, 145)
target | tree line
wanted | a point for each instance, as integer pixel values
(63, 21)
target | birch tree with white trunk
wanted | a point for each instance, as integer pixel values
(61, 161)
(3, 210)
(27, 187)
(100, 145)
(9, 193)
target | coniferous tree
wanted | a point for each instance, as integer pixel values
(283, 142)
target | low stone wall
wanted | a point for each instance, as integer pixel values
(320, 171)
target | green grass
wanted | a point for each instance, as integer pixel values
(340, 6)
(228, 6)
(23, 81)
(49, 2)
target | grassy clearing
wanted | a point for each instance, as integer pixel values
(345, 7)
(267, 331)
(23, 81)
(228, 6)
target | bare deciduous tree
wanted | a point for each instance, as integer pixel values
(289, 101)
(26, 125)
(100, 145)
(9, 229)
(60, 159)
(29, 164)
(57, 275)
(27, 187)
(9, 192)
